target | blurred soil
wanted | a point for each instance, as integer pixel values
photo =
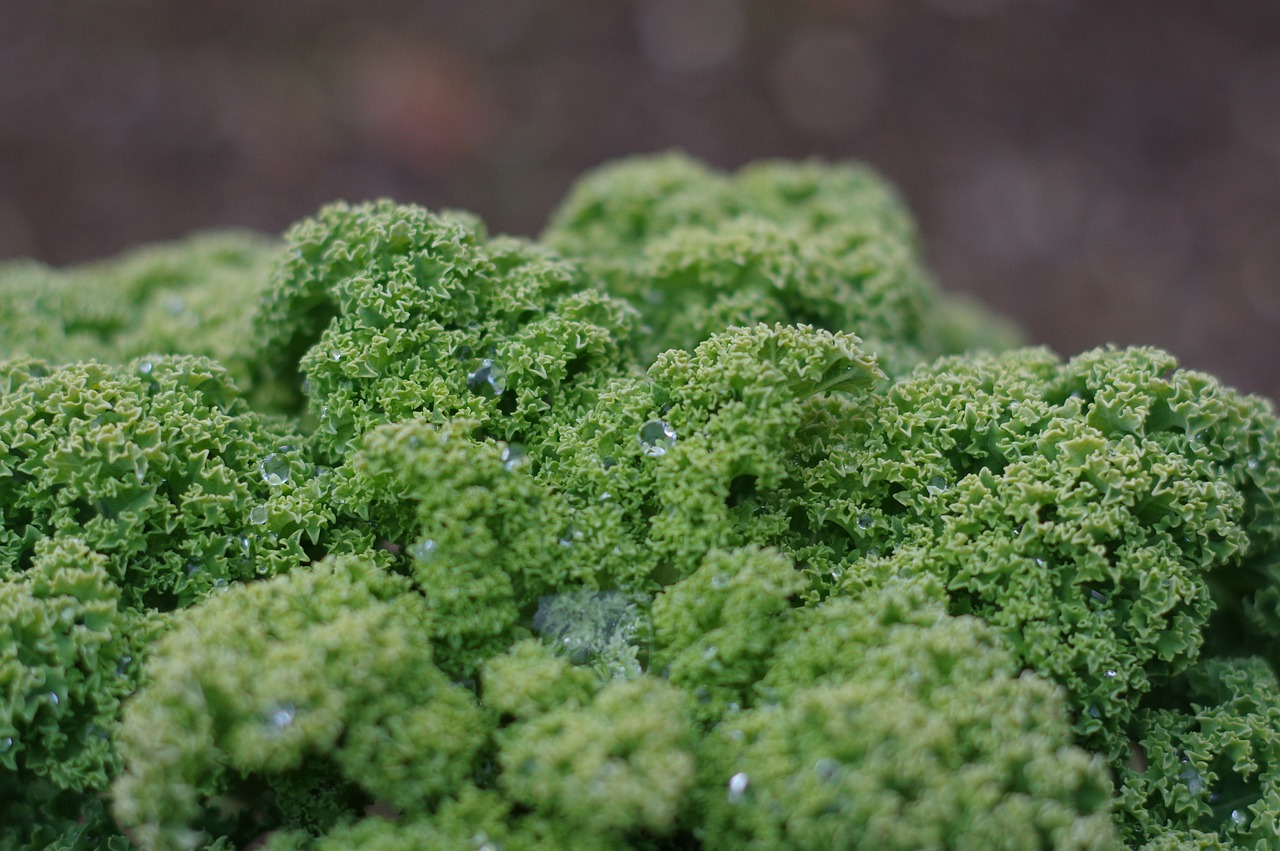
(1105, 172)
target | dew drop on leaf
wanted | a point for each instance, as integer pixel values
(656, 437)
(282, 716)
(490, 380)
(1191, 777)
(513, 455)
(827, 769)
(275, 469)
(423, 550)
(738, 787)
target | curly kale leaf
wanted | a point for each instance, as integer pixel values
(890, 723)
(796, 243)
(665, 469)
(158, 465)
(194, 296)
(386, 312)
(1085, 510)
(1205, 772)
(300, 699)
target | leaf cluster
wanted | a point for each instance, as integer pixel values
(705, 522)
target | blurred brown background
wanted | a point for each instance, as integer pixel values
(1102, 170)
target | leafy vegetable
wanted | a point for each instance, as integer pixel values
(707, 522)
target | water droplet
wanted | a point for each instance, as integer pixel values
(720, 580)
(1111, 675)
(258, 515)
(481, 842)
(865, 521)
(490, 380)
(937, 484)
(606, 462)
(53, 698)
(145, 367)
(738, 787)
(275, 469)
(827, 769)
(282, 716)
(571, 534)
(1253, 463)
(423, 550)
(656, 437)
(335, 355)
(1191, 777)
(1239, 817)
(6, 743)
(513, 455)
(1040, 562)
(122, 667)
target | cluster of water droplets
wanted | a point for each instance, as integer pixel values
(1226, 806)
(595, 628)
